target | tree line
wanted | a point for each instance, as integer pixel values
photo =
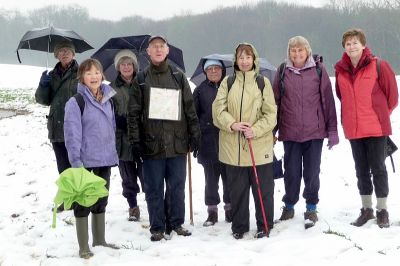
(268, 25)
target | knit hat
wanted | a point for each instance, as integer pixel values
(211, 62)
(125, 54)
(63, 44)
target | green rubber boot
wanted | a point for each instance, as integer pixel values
(98, 231)
(83, 237)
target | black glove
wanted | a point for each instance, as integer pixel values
(137, 152)
(45, 79)
(120, 121)
(194, 146)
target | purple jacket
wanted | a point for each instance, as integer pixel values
(90, 137)
(306, 110)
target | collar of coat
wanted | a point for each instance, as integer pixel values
(345, 65)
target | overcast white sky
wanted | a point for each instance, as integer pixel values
(156, 9)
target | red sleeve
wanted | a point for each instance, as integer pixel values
(388, 84)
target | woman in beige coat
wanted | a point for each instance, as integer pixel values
(242, 113)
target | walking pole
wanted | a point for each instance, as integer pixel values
(258, 188)
(190, 188)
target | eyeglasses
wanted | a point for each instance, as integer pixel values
(64, 51)
(126, 64)
(213, 68)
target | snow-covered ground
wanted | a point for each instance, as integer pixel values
(27, 188)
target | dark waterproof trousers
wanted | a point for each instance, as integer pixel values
(165, 212)
(61, 156)
(212, 171)
(369, 157)
(302, 159)
(240, 180)
(130, 172)
(101, 204)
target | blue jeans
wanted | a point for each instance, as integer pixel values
(165, 212)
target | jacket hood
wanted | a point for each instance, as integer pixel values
(256, 66)
(108, 91)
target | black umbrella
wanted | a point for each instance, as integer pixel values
(45, 39)
(266, 68)
(137, 44)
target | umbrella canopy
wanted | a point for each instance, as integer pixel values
(266, 68)
(137, 44)
(78, 185)
(45, 39)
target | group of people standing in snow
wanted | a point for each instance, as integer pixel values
(229, 123)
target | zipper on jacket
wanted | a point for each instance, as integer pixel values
(240, 115)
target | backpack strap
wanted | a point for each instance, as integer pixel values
(281, 71)
(259, 79)
(177, 75)
(230, 81)
(378, 67)
(81, 102)
(260, 83)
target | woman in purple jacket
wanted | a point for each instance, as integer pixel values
(306, 115)
(89, 132)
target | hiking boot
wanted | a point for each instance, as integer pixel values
(180, 231)
(261, 233)
(157, 236)
(287, 214)
(212, 219)
(365, 215)
(134, 214)
(382, 218)
(237, 235)
(228, 216)
(310, 218)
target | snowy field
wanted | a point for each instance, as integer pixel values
(27, 188)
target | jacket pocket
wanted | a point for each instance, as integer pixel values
(151, 145)
(181, 143)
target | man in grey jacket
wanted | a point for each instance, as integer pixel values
(163, 127)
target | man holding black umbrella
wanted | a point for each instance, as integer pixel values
(54, 90)
(163, 127)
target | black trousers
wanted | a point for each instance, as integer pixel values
(240, 180)
(130, 172)
(212, 171)
(369, 158)
(61, 156)
(100, 205)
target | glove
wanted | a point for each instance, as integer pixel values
(137, 152)
(333, 139)
(120, 121)
(45, 79)
(194, 146)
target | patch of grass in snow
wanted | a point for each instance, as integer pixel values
(331, 232)
(16, 97)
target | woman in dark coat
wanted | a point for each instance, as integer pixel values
(204, 96)
(130, 169)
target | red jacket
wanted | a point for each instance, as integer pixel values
(366, 100)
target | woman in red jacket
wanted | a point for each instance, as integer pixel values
(367, 89)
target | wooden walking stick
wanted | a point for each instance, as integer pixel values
(190, 188)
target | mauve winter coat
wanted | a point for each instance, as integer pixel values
(306, 110)
(90, 136)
